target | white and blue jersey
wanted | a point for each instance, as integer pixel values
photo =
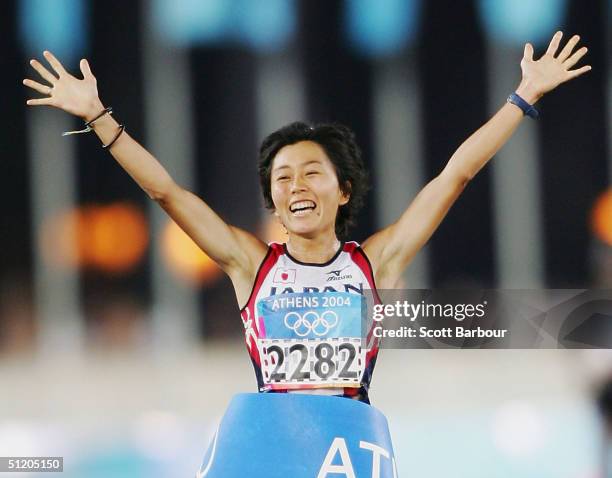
(304, 323)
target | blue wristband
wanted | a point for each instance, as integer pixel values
(528, 109)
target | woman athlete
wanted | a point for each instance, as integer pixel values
(313, 180)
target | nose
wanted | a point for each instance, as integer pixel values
(297, 185)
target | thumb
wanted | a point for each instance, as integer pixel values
(528, 54)
(85, 69)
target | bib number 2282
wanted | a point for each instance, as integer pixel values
(319, 362)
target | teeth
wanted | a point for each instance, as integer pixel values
(302, 212)
(302, 205)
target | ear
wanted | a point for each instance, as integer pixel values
(345, 196)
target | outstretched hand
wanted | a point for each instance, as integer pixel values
(64, 91)
(552, 69)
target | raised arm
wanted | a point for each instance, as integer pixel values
(391, 249)
(236, 251)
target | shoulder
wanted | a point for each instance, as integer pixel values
(359, 256)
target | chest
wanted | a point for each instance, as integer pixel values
(288, 277)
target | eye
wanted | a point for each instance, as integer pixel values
(310, 173)
(282, 178)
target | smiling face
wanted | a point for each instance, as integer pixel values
(305, 189)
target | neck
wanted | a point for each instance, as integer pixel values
(317, 250)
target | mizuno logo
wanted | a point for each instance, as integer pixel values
(337, 273)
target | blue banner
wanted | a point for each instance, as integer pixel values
(299, 436)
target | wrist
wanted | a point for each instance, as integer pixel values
(94, 110)
(520, 102)
(528, 93)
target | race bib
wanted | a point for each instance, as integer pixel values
(311, 340)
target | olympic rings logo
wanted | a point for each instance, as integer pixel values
(311, 321)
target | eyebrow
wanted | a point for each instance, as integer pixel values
(316, 161)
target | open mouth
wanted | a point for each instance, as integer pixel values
(302, 208)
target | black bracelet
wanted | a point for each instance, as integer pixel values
(121, 128)
(108, 110)
(88, 128)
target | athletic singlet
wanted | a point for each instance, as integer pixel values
(303, 323)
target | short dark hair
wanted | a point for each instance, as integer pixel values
(338, 142)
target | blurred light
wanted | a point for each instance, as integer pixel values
(518, 429)
(273, 231)
(111, 238)
(382, 27)
(516, 22)
(601, 217)
(116, 235)
(185, 258)
(265, 25)
(192, 21)
(60, 26)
